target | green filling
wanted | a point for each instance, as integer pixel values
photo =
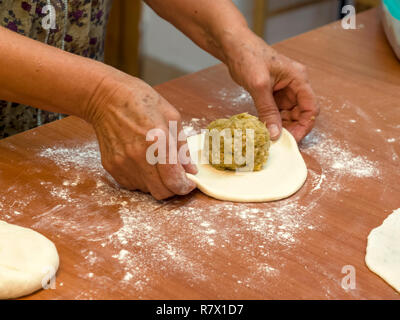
(235, 157)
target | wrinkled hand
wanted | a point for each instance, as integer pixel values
(279, 86)
(122, 111)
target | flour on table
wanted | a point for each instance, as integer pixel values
(336, 156)
(234, 96)
(143, 240)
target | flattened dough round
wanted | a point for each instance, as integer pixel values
(26, 258)
(284, 173)
(383, 250)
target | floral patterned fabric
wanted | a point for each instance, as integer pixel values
(79, 28)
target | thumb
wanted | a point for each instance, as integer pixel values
(268, 112)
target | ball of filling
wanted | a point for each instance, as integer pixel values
(232, 133)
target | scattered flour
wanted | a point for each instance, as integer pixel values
(193, 126)
(336, 156)
(82, 157)
(235, 97)
(321, 179)
(174, 237)
(177, 237)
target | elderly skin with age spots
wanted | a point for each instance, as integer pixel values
(122, 108)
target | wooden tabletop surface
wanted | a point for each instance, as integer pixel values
(115, 244)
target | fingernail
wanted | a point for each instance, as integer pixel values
(273, 130)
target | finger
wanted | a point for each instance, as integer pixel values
(129, 183)
(183, 151)
(173, 175)
(308, 111)
(118, 175)
(185, 159)
(290, 126)
(175, 179)
(285, 98)
(286, 116)
(123, 182)
(267, 110)
(126, 179)
(153, 182)
(299, 131)
(294, 128)
(137, 183)
(295, 113)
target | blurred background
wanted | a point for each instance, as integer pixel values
(142, 44)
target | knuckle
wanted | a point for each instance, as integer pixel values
(260, 82)
(174, 115)
(300, 67)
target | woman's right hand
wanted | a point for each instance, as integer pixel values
(122, 111)
(121, 108)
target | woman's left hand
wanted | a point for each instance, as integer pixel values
(279, 86)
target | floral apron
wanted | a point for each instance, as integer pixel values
(78, 27)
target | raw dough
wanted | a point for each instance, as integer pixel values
(383, 250)
(284, 173)
(26, 260)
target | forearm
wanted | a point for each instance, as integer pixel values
(45, 77)
(215, 26)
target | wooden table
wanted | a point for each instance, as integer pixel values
(115, 244)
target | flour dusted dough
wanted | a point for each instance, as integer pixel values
(26, 258)
(284, 173)
(383, 250)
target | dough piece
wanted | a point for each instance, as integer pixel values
(240, 123)
(284, 173)
(383, 250)
(27, 259)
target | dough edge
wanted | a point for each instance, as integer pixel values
(374, 265)
(219, 195)
(16, 283)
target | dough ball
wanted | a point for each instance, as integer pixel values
(242, 122)
(28, 261)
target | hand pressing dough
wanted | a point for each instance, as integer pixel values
(26, 260)
(284, 173)
(383, 250)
